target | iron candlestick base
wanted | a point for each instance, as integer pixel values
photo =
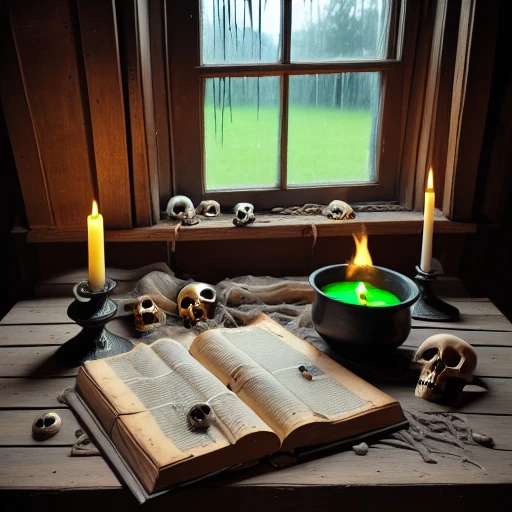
(429, 306)
(92, 310)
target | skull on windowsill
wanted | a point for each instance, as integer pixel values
(181, 208)
(244, 214)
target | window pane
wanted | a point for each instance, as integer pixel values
(329, 30)
(332, 125)
(241, 124)
(235, 31)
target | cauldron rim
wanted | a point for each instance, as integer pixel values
(413, 296)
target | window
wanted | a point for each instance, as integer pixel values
(282, 102)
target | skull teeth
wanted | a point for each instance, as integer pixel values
(430, 385)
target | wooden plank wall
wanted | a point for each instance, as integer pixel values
(67, 111)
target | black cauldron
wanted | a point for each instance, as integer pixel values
(354, 329)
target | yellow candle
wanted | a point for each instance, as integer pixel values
(428, 224)
(96, 249)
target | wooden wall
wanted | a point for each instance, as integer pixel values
(77, 91)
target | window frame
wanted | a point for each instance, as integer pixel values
(186, 77)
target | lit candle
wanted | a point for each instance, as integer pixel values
(428, 224)
(96, 249)
(360, 294)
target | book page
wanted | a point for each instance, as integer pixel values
(260, 389)
(168, 382)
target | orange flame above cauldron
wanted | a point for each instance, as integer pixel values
(362, 256)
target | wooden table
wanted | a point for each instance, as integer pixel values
(387, 478)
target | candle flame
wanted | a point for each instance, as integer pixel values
(362, 293)
(94, 209)
(430, 180)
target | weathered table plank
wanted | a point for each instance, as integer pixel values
(383, 465)
(38, 362)
(20, 393)
(16, 428)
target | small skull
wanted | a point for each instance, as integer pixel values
(447, 364)
(46, 425)
(201, 415)
(181, 208)
(244, 214)
(338, 210)
(148, 316)
(208, 208)
(196, 302)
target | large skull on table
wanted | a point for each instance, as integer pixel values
(196, 302)
(447, 361)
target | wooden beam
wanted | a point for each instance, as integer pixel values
(98, 30)
(44, 34)
(21, 133)
(472, 83)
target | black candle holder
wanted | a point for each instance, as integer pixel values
(92, 310)
(429, 306)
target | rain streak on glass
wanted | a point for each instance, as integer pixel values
(338, 30)
(332, 128)
(240, 31)
(333, 118)
(241, 125)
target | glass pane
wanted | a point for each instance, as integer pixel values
(331, 30)
(235, 31)
(241, 124)
(332, 128)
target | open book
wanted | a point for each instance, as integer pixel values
(268, 390)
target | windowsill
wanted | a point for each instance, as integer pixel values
(265, 226)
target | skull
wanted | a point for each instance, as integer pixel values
(244, 214)
(201, 415)
(196, 302)
(338, 210)
(447, 363)
(46, 425)
(208, 208)
(181, 208)
(148, 315)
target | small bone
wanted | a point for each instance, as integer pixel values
(360, 449)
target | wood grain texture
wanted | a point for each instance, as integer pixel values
(157, 34)
(149, 107)
(472, 85)
(39, 362)
(16, 428)
(33, 393)
(21, 134)
(44, 33)
(56, 470)
(34, 335)
(266, 226)
(475, 338)
(101, 57)
(428, 124)
(132, 79)
(46, 468)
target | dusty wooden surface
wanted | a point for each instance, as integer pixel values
(387, 478)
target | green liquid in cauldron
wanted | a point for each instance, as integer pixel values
(345, 291)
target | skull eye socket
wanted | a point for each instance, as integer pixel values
(148, 318)
(240, 214)
(207, 294)
(179, 208)
(429, 354)
(451, 357)
(211, 210)
(48, 422)
(147, 303)
(186, 302)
